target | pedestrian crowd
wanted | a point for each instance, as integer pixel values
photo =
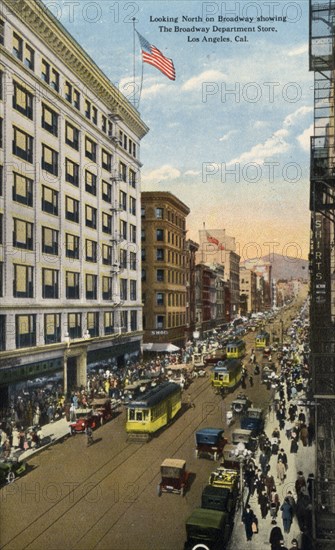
(288, 408)
(36, 403)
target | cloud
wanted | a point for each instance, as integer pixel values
(299, 50)
(260, 124)
(278, 143)
(153, 90)
(304, 138)
(274, 145)
(163, 173)
(196, 82)
(192, 173)
(296, 116)
(226, 136)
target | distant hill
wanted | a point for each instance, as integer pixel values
(284, 267)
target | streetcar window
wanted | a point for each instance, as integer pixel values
(139, 416)
(131, 413)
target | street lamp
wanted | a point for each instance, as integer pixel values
(196, 336)
(242, 455)
(281, 330)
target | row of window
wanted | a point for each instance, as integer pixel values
(171, 237)
(23, 193)
(174, 299)
(23, 233)
(23, 148)
(23, 284)
(173, 320)
(26, 325)
(25, 53)
(175, 258)
(161, 214)
(174, 277)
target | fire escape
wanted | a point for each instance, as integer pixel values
(322, 267)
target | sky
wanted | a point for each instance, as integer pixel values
(230, 136)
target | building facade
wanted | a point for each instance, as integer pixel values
(216, 247)
(70, 204)
(263, 270)
(163, 268)
(248, 290)
(322, 268)
(191, 249)
(210, 297)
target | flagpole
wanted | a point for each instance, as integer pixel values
(134, 65)
(141, 86)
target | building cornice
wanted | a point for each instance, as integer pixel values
(164, 196)
(41, 22)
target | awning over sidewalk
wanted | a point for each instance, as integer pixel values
(160, 348)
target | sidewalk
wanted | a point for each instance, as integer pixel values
(57, 431)
(303, 460)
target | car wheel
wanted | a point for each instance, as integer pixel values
(73, 431)
(159, 490)
(10, 477)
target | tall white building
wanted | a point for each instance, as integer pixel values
(70, 281)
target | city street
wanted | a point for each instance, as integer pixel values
(105, 496)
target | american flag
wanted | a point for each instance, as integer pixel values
(151, 55)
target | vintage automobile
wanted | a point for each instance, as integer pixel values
(105, 408)
(268, 372)
(11, 469)
(224, 478)
(246, 437)
(253, 420)
(219, 498)
(198, 360)
(174, 477)
(84, 421)
(180, 373)
(207, 528)
(266, 353)
(240, 404)
(85, 418)
(229, 460)
(210, 442)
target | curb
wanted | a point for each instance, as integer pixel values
(44, 447)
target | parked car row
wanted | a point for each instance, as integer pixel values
(100, 411)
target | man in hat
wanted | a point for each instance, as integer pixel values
(248, 518)
(276, 535)
(300, 482)
(281, 471)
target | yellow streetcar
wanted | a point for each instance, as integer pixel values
(262, 340)
(235, 349)
(154, 410)
(226, 375)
